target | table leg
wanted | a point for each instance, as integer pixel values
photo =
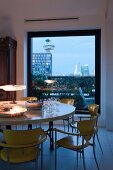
(8, 126)
(29, 126)
(50, 134)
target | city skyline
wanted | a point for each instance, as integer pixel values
(70, 54)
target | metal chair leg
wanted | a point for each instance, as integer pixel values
(77, 160)
(68, 124)
(64, 124)
(83, 158)
(36, 164)
(99, 142)
(55, 151)
(94, 153)
(8, 159)
(42, 156)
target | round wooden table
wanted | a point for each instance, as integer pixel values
(32, 116)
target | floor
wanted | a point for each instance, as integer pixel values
(67, 159)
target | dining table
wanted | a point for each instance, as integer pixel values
(49, 111)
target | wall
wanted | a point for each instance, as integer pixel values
(109, 75)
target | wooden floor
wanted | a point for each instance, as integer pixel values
(67, 159)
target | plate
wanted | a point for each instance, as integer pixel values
(12, 114)
(8, 114)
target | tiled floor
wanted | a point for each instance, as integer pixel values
(67, 159)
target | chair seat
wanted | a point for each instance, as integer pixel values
(71, 142)
(20, 155)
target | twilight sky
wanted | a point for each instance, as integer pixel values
(69, 53)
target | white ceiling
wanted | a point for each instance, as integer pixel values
(55, 8)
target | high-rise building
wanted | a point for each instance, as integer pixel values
(85, 70)
(42, 63)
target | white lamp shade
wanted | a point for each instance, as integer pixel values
(50, 81)
(13, 87)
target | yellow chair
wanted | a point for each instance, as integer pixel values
(86, 131)
(93, 109)
(71, 102)
(92, 112)
(21, 146)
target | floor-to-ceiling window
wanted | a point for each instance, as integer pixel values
(71, 58)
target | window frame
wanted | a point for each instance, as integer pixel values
(95, 32)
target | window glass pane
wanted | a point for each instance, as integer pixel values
(72, 59)
(66, 56)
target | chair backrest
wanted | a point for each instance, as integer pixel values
(67, 101)
(29, 99)
(22, 137)
(93, 109)
(87, 128)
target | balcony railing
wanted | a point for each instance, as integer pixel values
(81, 88)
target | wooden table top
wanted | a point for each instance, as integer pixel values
(55, 112)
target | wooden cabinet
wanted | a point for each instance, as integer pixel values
(7, 66)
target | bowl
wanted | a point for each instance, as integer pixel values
(33, 105)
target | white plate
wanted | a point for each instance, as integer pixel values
(9, 114)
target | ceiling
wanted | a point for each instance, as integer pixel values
(55, 8)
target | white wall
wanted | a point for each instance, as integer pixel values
(109, 75)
